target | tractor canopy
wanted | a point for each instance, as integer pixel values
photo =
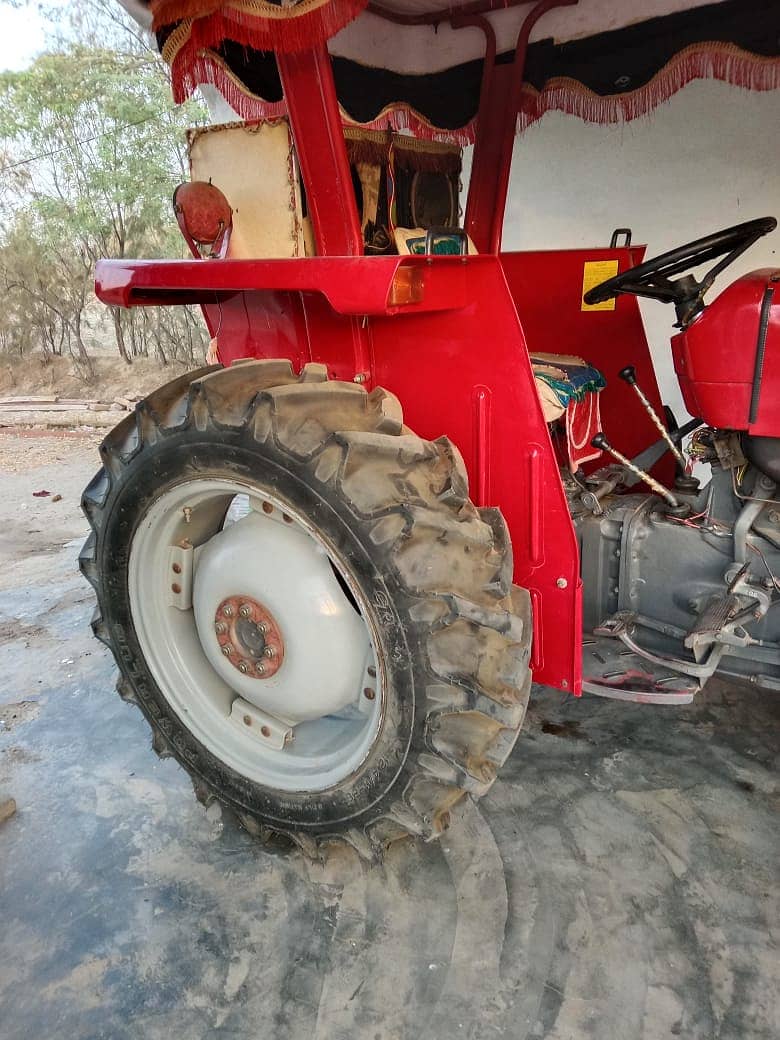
(421, 65)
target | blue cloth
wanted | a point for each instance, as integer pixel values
(579, 379)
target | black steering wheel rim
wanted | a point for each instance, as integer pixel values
(653, 278)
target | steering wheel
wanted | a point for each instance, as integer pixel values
(653, 278)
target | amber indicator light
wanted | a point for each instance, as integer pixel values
(406, 287)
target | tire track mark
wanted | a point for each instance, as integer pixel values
(393, 935)
(472, 992)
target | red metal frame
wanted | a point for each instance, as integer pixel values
(456, 353)
(491, 117)
(496, 126)
(458, 361)
(307, 81)
(546, 287)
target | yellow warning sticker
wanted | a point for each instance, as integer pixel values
(594, 273)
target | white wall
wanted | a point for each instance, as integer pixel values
(708, 158)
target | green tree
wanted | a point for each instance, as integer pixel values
(91, 148)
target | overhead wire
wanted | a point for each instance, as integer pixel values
(86, 140)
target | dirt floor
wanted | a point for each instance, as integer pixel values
(620, 881)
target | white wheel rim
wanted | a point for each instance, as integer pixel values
(328, 694)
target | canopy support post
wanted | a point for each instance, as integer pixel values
(491, 117)
(496, 125)
(315, 120)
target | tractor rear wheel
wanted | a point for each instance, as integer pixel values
(315, 620)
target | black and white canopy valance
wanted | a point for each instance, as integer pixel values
(400, 65)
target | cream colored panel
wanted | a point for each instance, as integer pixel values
(253, 166)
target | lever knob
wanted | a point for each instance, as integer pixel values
(600, 441)
(628, 374)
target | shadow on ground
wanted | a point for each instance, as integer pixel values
(619, 882)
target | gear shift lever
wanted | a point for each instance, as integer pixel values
(684, 482)
(676, 508)
(628, 375)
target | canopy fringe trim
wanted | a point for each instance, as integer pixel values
(715, 60)
(284, 27)
(208, 67)
(725, 62)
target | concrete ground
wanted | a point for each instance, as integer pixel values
(618, 883)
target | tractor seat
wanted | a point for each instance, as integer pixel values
(561, 379)
(412, 241)
(568, 390)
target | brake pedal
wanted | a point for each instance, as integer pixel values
(711, 622)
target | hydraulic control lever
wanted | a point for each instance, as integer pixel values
(676, 508)
(596, 488)
(628, 375)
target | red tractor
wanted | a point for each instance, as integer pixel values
(421, 471)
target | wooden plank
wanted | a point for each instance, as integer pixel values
(46, 399)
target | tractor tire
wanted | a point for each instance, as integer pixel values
(418, 580)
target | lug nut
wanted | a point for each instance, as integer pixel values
(369, 694)
(265, 731)
(247, 720)
(250, 644)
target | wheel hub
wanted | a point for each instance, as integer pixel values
(286, 612)
(315, 715)
(249, 637)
